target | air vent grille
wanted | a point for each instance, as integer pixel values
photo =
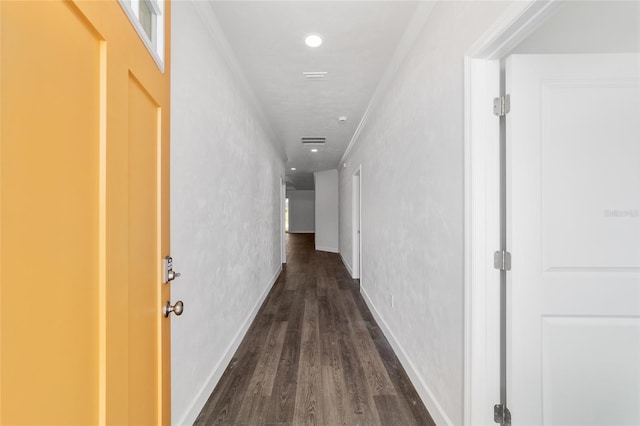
(314, 141)
(315, 75)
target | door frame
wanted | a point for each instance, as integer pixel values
(356, 224)
(482, 203)
(283, 234)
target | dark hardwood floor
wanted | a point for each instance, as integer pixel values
(314, 355)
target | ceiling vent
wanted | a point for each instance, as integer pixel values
(313, 141)
(315, 75)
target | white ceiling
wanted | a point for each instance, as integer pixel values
(359, 41)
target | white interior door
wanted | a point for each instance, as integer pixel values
(283, 221)
(357, 246)
(573, 226)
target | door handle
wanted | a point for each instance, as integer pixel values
(177, 309)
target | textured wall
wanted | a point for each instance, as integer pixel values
(411, 151)
(301, 211)
(327, 210)
(587, 27)
(225, 206)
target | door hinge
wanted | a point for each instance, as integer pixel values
(502, 105)
(501, 414)
(502, 260)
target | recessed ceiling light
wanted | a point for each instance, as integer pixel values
(313, 40)
(293, 168)
(314, 150)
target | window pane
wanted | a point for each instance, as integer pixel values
(146, 17)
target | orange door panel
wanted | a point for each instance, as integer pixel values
(84, 143)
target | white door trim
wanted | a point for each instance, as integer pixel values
(482, 204)
(283, 234)
(482, 238)
(356, 224)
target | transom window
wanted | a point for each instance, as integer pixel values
(147, 18)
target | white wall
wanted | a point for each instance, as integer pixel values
(411, 152)
(301, 211)
(587, 27)
(225, 208)
(326, 184)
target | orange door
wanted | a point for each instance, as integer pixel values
(84, 167)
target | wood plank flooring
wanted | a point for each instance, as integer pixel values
(314, 356)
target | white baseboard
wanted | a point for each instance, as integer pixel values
(302, 232)
(346, 265)
(329, 249)
(198, 403)
(428, 398)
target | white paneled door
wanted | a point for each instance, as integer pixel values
(573, 226)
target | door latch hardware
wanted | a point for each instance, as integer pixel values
(168, 274)
(501, 414)
(502, 260)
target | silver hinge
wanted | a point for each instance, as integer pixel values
(501, 414)
(502, 105)
(502, 260)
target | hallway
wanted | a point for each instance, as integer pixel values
(314, 355)
(461, 157)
